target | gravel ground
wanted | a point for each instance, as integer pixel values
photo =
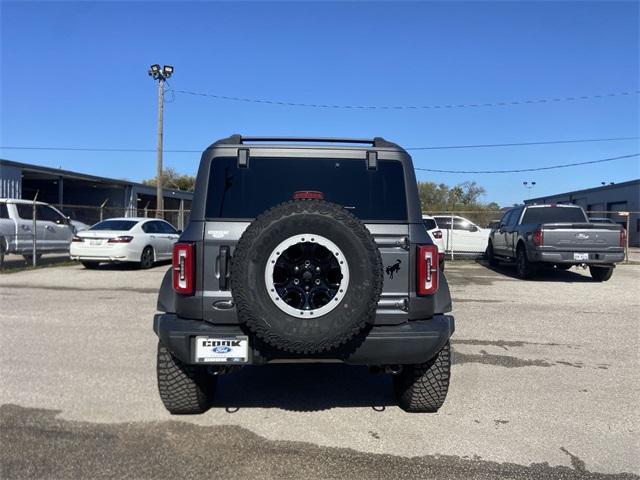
(545, 385)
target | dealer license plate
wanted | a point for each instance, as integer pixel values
(233, 349)
(581, 256)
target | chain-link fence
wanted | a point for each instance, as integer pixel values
(53, 228)
(464, 234)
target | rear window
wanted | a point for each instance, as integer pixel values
(4, 212)
(244, 193)
(553, 215)
(430, 223)
(121, 225)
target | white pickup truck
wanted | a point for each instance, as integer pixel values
(53, 231)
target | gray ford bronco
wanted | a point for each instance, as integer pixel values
(304, 250)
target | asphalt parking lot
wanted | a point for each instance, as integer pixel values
(545, 384)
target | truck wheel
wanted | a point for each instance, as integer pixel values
(306, 276)
(524, 268)
(184, 389)
(90, 265)
(423, 387)
(601, 274)
(3, 249)
(491, 258)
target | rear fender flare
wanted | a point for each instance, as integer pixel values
(167, 296)
(442, 298)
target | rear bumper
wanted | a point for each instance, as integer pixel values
(104, 253)
(567, 257)
(408, 343)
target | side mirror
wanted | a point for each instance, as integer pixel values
(179, 232)
(474, 228)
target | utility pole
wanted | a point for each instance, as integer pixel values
(160, 76)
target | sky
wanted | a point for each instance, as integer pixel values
(74, 74)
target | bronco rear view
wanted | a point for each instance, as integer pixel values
(304, 250)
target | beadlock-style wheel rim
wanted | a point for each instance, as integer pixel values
(306, 276)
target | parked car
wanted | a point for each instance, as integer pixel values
(53, 231)
(436, 236)
(560, 235)
(323, 265)
(465, 237)
(141, 240)
(78, 226)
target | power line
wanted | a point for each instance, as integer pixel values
(537, 169)
(437, 147)
(409, 107)
(522, 144)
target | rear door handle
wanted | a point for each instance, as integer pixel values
(224, 267)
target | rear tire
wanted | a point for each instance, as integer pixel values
(184, 389)
(601, 274)
(146, 259)
(491, 257)
(29, 258)
(90, 265)
(524, 268)
(3, 249)
(423, 387)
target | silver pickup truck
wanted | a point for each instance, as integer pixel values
(555, 235)
(53, 231)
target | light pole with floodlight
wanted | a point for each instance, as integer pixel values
(160, 75)
(529, 186)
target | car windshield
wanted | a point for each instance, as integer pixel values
(120, 225)
(244, 193)
(553, 215)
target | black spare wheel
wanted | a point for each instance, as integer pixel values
(306, 276)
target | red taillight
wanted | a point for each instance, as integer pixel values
(427, 269)
(308, 195)
(437, 234)
(623, 237)
(120, 239)
(537, 237)
(183, 271)
(77, 239)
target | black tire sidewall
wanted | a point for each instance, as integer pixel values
(144, 265)
(306, 335)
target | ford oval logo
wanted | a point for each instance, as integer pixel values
(221, 349)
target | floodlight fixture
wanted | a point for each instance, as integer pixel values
(167, 71)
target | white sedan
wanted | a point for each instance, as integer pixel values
(465, 237)
(141, 240)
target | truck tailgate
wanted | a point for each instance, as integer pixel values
(581, 236)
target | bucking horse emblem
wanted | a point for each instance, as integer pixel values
(393, 269)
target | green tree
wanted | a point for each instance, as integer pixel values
(465, 198)
(172, 179)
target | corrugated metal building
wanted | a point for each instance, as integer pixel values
(617, 197)
(67, 189)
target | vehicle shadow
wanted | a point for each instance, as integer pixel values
(303, 388)
(130, 266)
(543, 274)
(18, 262)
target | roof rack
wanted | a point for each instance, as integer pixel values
(240, 140)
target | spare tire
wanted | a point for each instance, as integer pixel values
(306, 276)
